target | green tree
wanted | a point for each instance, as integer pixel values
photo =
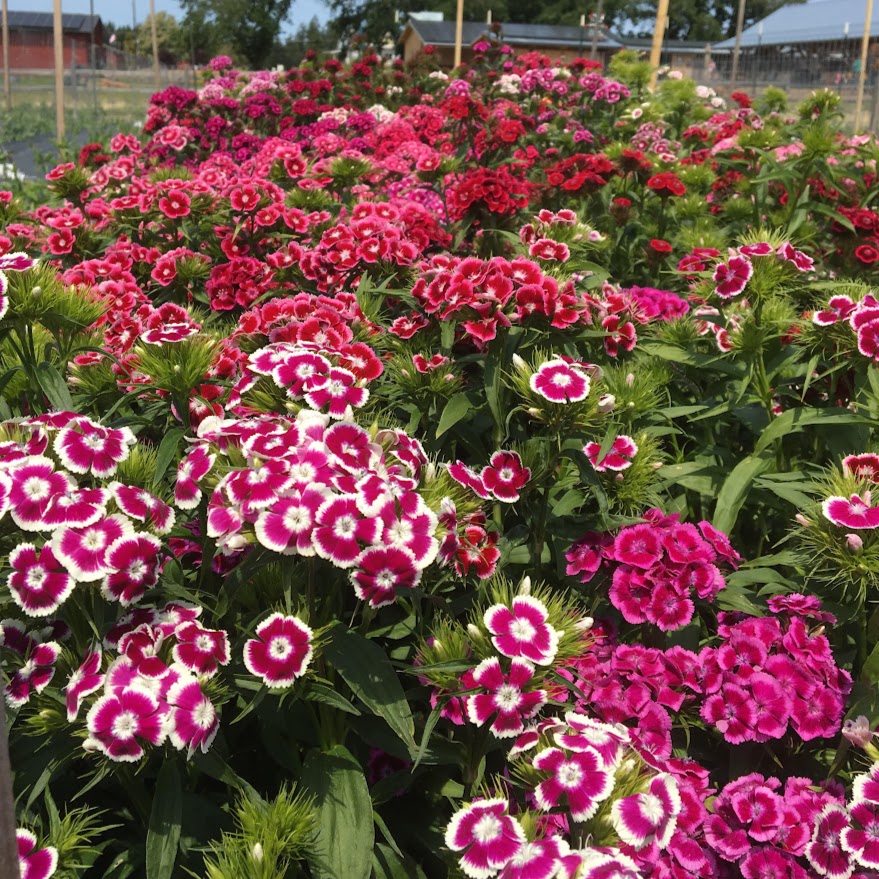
(167, 36)
(312, 35)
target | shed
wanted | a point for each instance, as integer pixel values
(31, 39)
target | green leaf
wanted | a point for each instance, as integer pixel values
(167, 453)
(54, 387)
(322, 693)
(367, 670)
(453, 412)
(387, 864)
(163, 835)
(795, 420)
(735, 490)
(345, 830)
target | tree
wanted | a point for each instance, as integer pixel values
(167, 36)
(312, 35)
(249, 28)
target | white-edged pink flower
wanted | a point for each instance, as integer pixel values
(865, 788)
(618, 458)
(540, 859)
(560, 382)
(861, 838)
(36, 672)
(79, 507)
(33, 862)
(286, 525)
(342, 530)
(824, 851)
(381, 571)
(411, 530)
(337, 390)
(854, 512)
(584, 732)
(506, 698)
(505, 475)
(193, 721)
(39, 583)
(142, 506)
(191, 470)
(649, 816)
(469, 478)
(88, 447)
(169, 333)
(200, 650)
(490, 836)
(281, 651)
(295, 369)
(119, 722)
(84, 681)
(838, 309)
(133, 564)
(523, 630)
(34, 484)
(797, 258)
(580, 780)
(731, 278)
(83, 551)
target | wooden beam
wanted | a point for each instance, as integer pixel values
(58, 32)
(459, 31)
(862, 74)
(658, 35)
(7, 86)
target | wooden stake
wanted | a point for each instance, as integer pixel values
(459, 31)
(7, 86)
(157, 74)
(8, 844)
(658, 34)
(58, 31)
(740, 21)
(862, 74)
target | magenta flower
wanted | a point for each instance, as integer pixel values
(193, 720)
(342, 529)
(650, 816)
(540, 859)
(560, 382)
(34, 484)
(467, 477)
(83, 551)
(579, 780)
(854, 512)
(491, 837)
(523, 630)
(733, 712)
(281, 651)
(80, 507)
(133, 567)
(825, 852)
(88, 447)
(200, 650)
(618, 458)
(191, 470)
(336, 390)
(797, 258)
(286, 525)
(731, 278)
(84, 681)
(34, 863)
(119, 722)
(505, 475)
(838, 309)
(140, 505)
(865, 788)
(638, 545)
(583, 732)
(37, 671)
(861, 838)
(39, 584)
(381, 571)
(506, 696)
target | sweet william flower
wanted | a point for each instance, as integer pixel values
(88, 447)
(505, 475)
(488, 836)
(33, 862)
(523, 630)
(618, 458)
(281, 652)
(120, 722)
(825, 852)
(649, 816)
(854, 512)
(84, 681)
(579, 780)
(560, 382)
(39, 584)
(506, 699)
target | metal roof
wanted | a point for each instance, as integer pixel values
(442, 33)
(43, 21)
(812, 22)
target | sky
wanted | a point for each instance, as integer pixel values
(120, 11)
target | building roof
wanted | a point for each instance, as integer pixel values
(812, 22)
(442, 33)
(677, 46)
(43, 21)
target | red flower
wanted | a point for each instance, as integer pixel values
(666, 183)
(660, 245)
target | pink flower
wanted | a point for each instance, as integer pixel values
(191, 470)
(540, 859)
(281, 651)
(133, 567)
(381, 571)
(193, 720)
(838, 309)
(39, 584)
(341, 529)
(139, 504)
(83, 551)
(506, 696)
(286, 525)
(200, 650)
(579, 780)
(523, 630)
(733, 712)
(797, 258)
(854, 512)
(650, 816)
(84, 681)
(337, 389)
(825, 852)
(505, 475)
(618, 457)
(34, 485)
(490, 836)
(560, 382)
(732, 277)
(864, 466)
(34, 863)
(119, 722)
(638, 545)
(90, 447)
(465, 476)
(861, 838)
(37, 671)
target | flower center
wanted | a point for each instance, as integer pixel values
(94, 540)
(125, 725)
(522, 630)
(487, 829)
(508, 697)
(204, 643)
(36, 488)
(344, 526)
(204, 715)
(279, 648)
(569, 775)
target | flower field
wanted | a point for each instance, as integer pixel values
(410, 477)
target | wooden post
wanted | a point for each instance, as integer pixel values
(658, 34)
(599, 18)
(7, 86)
(740, 21)
(862, 74)
(157, 75)
(8, 844)
(58, 31)
(459, 31)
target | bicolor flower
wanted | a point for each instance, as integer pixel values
(36, 672)
(193, 720)
(506, 698)
(618, 458)
(200, 650)
(33, 862)
(281, 651)
(133, 563)
(731, 278)
(286, 525)
(861, 838)
(342, 529)
(336, 391)
(39, 583)
(142, 506)
(120, 722)
(854, 512)
(84, 681)
(523, 630)
(824, 851)
(34, 484)
(560, 382)
(579, 780)
(83, 551)
(540, 859)
(505, 475)
(89, 447)
(381, 571)
(191, 470)
(489, 837)
(649, 816)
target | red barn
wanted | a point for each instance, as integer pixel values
(31, 41)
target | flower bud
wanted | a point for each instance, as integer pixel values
(584, 624)
(855, 542)
(474, 632)
(606, 403)
(37, 292)
(256, 852)
(519, 363)
(525, 586)
(802, 520)
(630, 379)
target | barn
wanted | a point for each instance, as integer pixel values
(31, 40)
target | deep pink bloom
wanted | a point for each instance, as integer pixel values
(119, 722)
(506, 696)
(36, 672)
(336, 390)
(505, 475)
(825, 852)
(132, 563)
(281, 651)
(638, 545)
(87, 446)
(200, 650)
(191, 470)
(342, 530)
(536, 860)
(618, 458)
(34, 484)
(193, 720)
(139, 504)
(579, 780)
(286, 525)
(650, 816)
(861, 838)
(84, 681)
(39, 584)
(560, 382)
(491, 837)
(381, 571)
(34, 863)
(731, 278)
(522, 630)
(854, 512)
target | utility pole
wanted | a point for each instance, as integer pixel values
(740, 21)
(459, 32)
(58, 33)
(156, 71)
(658, 34)
(862, 75)
(7, 86)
